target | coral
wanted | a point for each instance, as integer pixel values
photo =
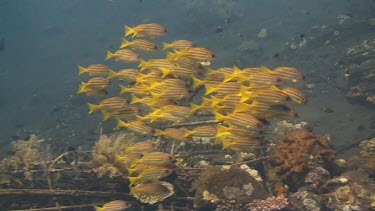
(254, 173)
(105, 150)
(367, 148)
(152, 199)
(227, 184)
(27, 156)
(359, 63)
(284, 126)
(317, 177)
(304, 200)
(269, 204)
(297, 152)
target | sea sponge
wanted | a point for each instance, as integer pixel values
(298, 152)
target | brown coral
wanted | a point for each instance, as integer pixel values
(299, 151)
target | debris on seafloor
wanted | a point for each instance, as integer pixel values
(262, 33)
(359, 64)
(151, 198)
(272, 203)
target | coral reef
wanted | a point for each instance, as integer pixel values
(225, 186)
(298, 152)
(358, 64)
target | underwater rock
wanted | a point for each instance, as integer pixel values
(367, 148)
(298, 152)
(304, 200)
(359, 69)
(226, 186)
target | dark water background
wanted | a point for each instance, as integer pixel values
(45, 40)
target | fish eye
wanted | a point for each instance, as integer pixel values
(213, 56)
(165, 30)
(288, 98)
(303, 77)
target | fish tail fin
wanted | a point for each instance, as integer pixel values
(128, 31)
(81, 70)
(158, 132)
(267, 70)
(135, 99)
(196, 82)
(109, 55)
(111, 74)
(132, 180)
(81, 88)
(194, 107)
(210, 71)
(170, 56)
(124, 43)
(228, 77)
(132, 190)
(120, 123)
(106, 115)
(142, 64)
(130, 171)
(219, 116)
(226, 144)
(123, 89)
(209, 89)
(221, 129)
(93, 107)
(165, 71)
(215, 101)
(98, 208)
(166, 45)
(240, 107)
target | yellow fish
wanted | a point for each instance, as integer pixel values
(179, 44)
(117, 205)
(139, 44)
(112, 103)
(150, 174)
(141, 147)
(152, 189)
(94, 70)
(151, 30)
(124, 55)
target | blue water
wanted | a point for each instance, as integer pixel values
(44, 41)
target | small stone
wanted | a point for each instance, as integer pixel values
(310, 86)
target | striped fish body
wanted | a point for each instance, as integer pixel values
(137, 89)
(266, 96)
(223, 88)
(203, 131)
(240, 144)
(155, 64)
(149, 189)
(197, 54)
(94, 70)
(154, 158)
(139, 44)
(150, 30)
(136, 126)
(141, 147)
(126, 113)
(150, 174)
(125, 74)
(97, 83)
(179, 44)
(240, 119)
(113, 103)
(124, 55)
(296, 95)
(289, 74)
(95, 93)
(187, 63)
(173, 133)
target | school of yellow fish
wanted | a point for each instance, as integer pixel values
(155, 94)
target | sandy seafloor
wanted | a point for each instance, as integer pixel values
(46, 40)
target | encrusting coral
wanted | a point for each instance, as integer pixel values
(298, 152)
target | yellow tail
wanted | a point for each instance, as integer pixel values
(228, 77)
(196, 82)
(209, 89)
(135, 99)
(226, 144)
(111, 74)
(221, 129)
(166, 45)
(132, 191)
(165, 71)
(210, 71)
(106, 115)
(81, 70)
(142, 64)
(240, 107)
(129, 31)
(123, 89)
(194, 107)
(93, 107)
(124, 43)
(158, 132)
(133, 180)
(220, 117)
(170, 56)
(267, 70)
(98, 208)
(81, 88)
(121, 124)
(109, 55)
